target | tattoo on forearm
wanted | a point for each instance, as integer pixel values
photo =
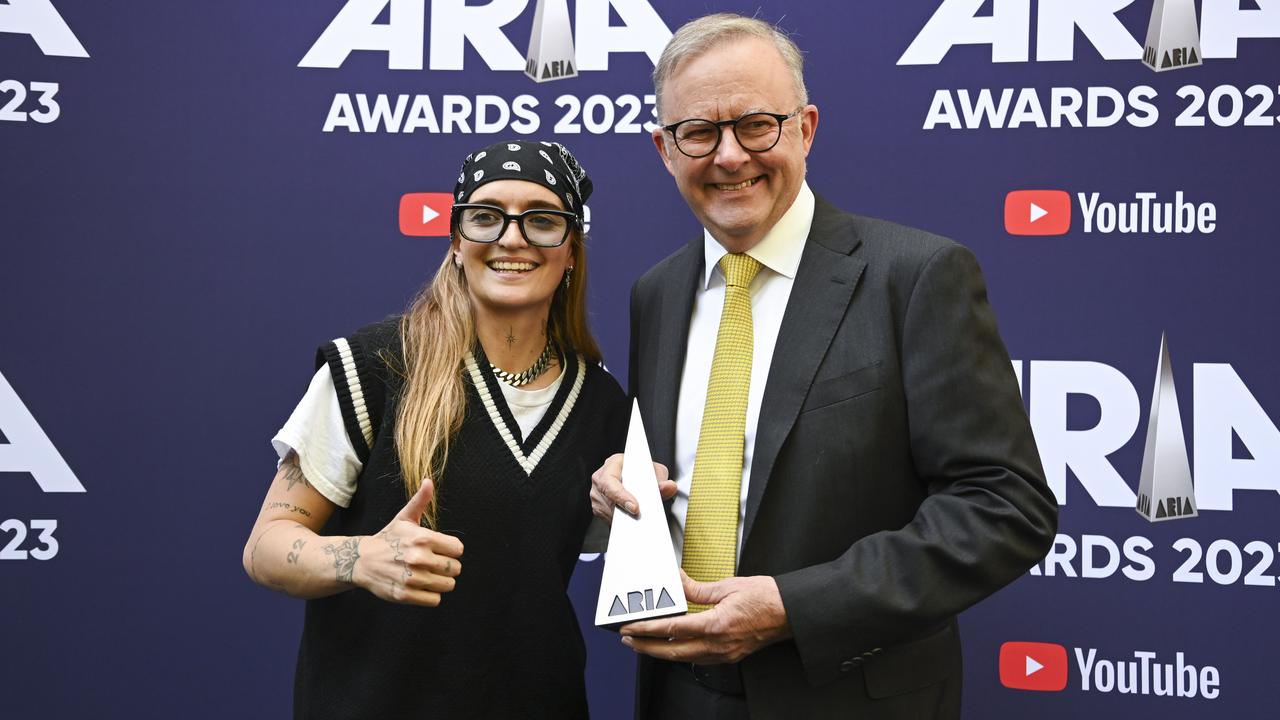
(295, 552)
(293, 475)
(290, 507)
(345, 554)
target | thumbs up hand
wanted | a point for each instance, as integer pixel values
(407, 563)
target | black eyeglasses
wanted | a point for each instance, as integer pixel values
(486, 223)
(756, 132)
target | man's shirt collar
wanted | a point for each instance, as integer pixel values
(781, 247)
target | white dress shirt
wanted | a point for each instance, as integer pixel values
(779, 252)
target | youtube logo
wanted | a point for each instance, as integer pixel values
(1037, 212)
(425, 214)
(1033, 666)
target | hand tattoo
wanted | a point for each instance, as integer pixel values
(393, 541)
(344, 555)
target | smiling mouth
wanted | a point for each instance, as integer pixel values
(739, 186)
(508, 266)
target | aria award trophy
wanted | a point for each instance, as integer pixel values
(641, 578)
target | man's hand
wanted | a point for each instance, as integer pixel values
(747, 614)
(407, 563)
(607, 491)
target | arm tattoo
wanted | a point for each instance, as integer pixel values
(344, 555)
(291, 507)
(293, 474)
(297, 549)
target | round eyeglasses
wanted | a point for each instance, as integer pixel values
(756, 132)
(486, 223)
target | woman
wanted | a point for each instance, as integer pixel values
(446, 456)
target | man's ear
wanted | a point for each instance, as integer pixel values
(808, 126)
(660, 142)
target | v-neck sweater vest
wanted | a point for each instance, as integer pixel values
(505, 642)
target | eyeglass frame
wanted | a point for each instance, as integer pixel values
(719, 126)
(455, 221)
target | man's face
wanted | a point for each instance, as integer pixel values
(736, 194)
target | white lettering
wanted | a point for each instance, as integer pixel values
(40, 20)
(354, 28)
(642, 30)
(1083, 451)
(29, 449)
(1057, 21)
(1223, 406)
(453, 21)
(1006, 31)
(1224, 22)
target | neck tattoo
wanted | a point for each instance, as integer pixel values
(511, 339)
(532, 373)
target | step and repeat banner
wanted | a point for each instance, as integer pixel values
(193, 196)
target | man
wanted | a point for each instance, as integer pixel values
(852, 463)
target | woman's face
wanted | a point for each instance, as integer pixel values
(510, 274)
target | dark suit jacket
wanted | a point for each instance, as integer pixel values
(895, 479)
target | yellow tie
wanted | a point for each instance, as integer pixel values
(711, 522)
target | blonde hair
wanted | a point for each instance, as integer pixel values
(436, 332)
(710, 31)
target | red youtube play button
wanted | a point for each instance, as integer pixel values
(1037, 212)
(425, 214)
(1033, 666)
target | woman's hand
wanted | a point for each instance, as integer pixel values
(405, 562)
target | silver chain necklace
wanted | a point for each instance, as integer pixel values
(534, 372)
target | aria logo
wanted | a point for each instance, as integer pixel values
(40, 20)
(1173, 37)
(554, 52)
(639, 601)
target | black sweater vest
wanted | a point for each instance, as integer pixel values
(505, 643)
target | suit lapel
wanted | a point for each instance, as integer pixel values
(674, 313)
(820, 296)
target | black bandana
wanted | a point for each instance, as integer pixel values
(548, 164)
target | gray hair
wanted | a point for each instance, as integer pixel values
(710, 31)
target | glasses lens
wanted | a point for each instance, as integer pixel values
(546, 229)
(480, 224)
(696, 137)
(757, 131)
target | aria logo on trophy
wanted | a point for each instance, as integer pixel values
(1165, 490)
(641, 579)
(1173, 36)
(551, 55)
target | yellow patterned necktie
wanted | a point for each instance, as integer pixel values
(711, 522)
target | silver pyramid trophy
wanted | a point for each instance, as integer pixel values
(1165, 491)
(1173, 37)
(641, 578)
(551, 55)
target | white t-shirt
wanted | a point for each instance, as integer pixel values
(316, 433)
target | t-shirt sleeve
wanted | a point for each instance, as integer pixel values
(315, 431)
